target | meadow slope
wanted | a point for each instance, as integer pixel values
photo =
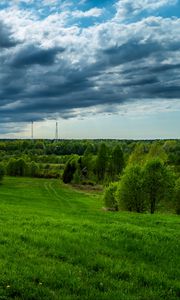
(57, 243)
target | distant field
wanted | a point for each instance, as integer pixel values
(57, 243)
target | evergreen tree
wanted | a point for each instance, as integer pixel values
(69, 170)
(116, 163)
(102, 162)
(86, 162)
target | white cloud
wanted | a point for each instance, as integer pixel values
(93, 12)
(50, 2)
(129, 8)
(149, 107)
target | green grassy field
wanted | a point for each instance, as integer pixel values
(57, 243)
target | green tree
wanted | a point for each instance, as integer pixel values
(21, 167)
(158, 182)
(77, 177)
(109, 197)
(11, 167)
(138, 156)
(17, 167)
(116, 163)
(33, 169)
(177, 196)
(130, 192)
(157, 151)
(102, 162)
(69, 170)
(2, 172)
(86, 162)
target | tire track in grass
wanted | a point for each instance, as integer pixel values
(70, 198)
(50, 194)
(61, 201)
(70, 201)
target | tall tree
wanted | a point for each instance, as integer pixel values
(116, 163)
(102, 162)
(177, 196)
(86, 163)
(130, 193)
(158, 182)
(138, 156)
(157, 151)
(69, 170)
(2, 172)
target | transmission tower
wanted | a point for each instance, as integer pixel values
(56, 134)
(32, 130)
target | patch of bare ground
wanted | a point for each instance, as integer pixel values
(88, 188)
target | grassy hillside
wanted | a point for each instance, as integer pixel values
(57, 243)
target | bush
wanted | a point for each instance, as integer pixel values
(69, 170)
(77, 176)
(33, 169)
(110, 200)
(177, 196)
(17, 167)
(142, 188)
(48, 174)
(130, 192)
(2, 172)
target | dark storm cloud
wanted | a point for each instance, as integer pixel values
(165, 67)
(141, 82)
(36, 82)
(131, 51)
(6, 39)
(32, 55)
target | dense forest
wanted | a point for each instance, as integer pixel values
(135, 175)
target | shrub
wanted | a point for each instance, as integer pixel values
(77, 176)
(1, 172)
(17, 167)
(33, 169)
(110, 200)
(130, 192)
(69, 170)
(177, 196)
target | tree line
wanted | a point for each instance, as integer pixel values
(142, 188)
(121, 167)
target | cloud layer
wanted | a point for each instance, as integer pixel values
(56, 61)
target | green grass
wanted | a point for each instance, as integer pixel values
(57, 243)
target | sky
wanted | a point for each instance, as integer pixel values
(100, 68)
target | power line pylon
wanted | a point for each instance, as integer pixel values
(56, 134)
(32, 130)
